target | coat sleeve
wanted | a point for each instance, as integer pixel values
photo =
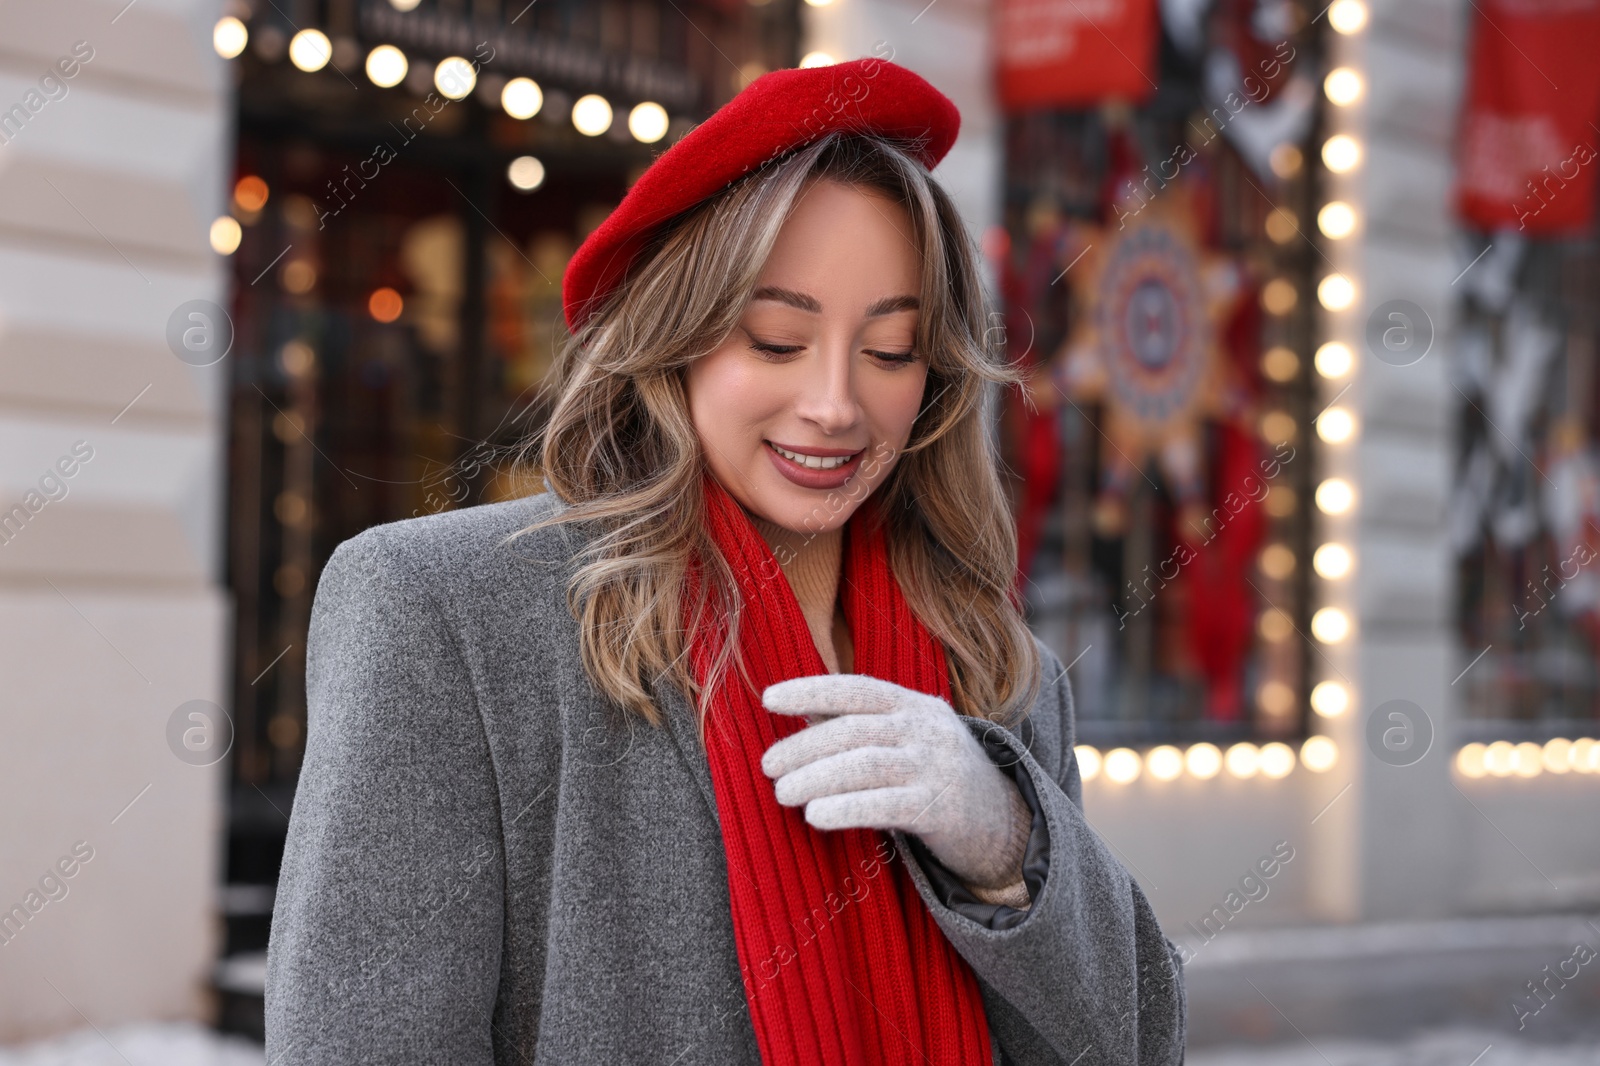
(386, 935)
(1084, 976)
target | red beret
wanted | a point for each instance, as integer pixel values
(775, 113)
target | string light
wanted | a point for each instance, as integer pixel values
(1341, 153)
(1334, 360)
(1319, 754)
(1336, 220)
(454, 78)
(229, 36)
(1470, 761)
(1276, 760)
(1333, 561)
(226, 235)
(591, 115)
(387, 66)
(250, 193)
(525, 173)
(1336, 425)
(1089, 761)
(1336, 292)
(1123, 765)
(817, 59)
(1343, 86)
(1557, 755)
(647, 122)
(1347, 16)
(309, 50)
(1164, 763)
(1203, 761)
(1331, 625)
(522, 98)
(1335, 496)
(1243, 759)
(1330, 699)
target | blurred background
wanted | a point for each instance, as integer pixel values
(1306, 479)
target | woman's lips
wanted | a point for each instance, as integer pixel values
(807, 478)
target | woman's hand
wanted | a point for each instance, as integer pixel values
(882, 756)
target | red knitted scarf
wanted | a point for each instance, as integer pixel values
(843, 964)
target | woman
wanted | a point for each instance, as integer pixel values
(733, 746)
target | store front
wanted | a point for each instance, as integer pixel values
(410, 180)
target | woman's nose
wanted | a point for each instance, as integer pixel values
(828, 396)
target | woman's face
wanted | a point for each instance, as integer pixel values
(821, 365)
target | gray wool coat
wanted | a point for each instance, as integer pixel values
(488, 864)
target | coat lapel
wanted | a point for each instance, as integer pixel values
(681, 723)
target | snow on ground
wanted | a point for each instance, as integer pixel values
(138, 1044)
(1447, 1047)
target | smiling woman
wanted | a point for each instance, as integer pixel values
(769, 450)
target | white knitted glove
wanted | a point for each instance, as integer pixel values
(883, 756)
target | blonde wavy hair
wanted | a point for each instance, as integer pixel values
(621, 451)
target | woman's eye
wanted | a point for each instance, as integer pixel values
(900, 358)
(774, 349)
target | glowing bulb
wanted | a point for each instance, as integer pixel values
(522, 98)
(525, 173)
(1164, 763)
(1088, 761)
(1333, 561)
(229, 36)
(1330, 625)
(1278, 427)
(226, 235)
(1276, 760)
(385, 304)
(1330, 699)
(1336, 425)
(1347, 16)
(404, 5)
(1280, 364)
(1319, 753)
(1334, 360)
(817, 59)
(1243, 759)
(387, 66)
(250, 193)
(1275, 698)
(1335, 292)
(1282, 226)
(1527, 759)
(1336, 220)
(1343, 86)
(1278, 296)
(1558, 755)
(1277, 561)
(647, 122)
(1335, 496)
(1123, 765)
(1203, 761)
(1470, 761)
(454, 78)
(1500, 758)
(591, 115)
(1341, 153)
(309, 50)
(1585, 755)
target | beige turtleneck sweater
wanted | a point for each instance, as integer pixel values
(811, 563)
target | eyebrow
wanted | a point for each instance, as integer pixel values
(886, 306)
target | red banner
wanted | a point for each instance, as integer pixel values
(1057, 53)
(1528, 138)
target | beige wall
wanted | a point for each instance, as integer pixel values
(111, 614)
